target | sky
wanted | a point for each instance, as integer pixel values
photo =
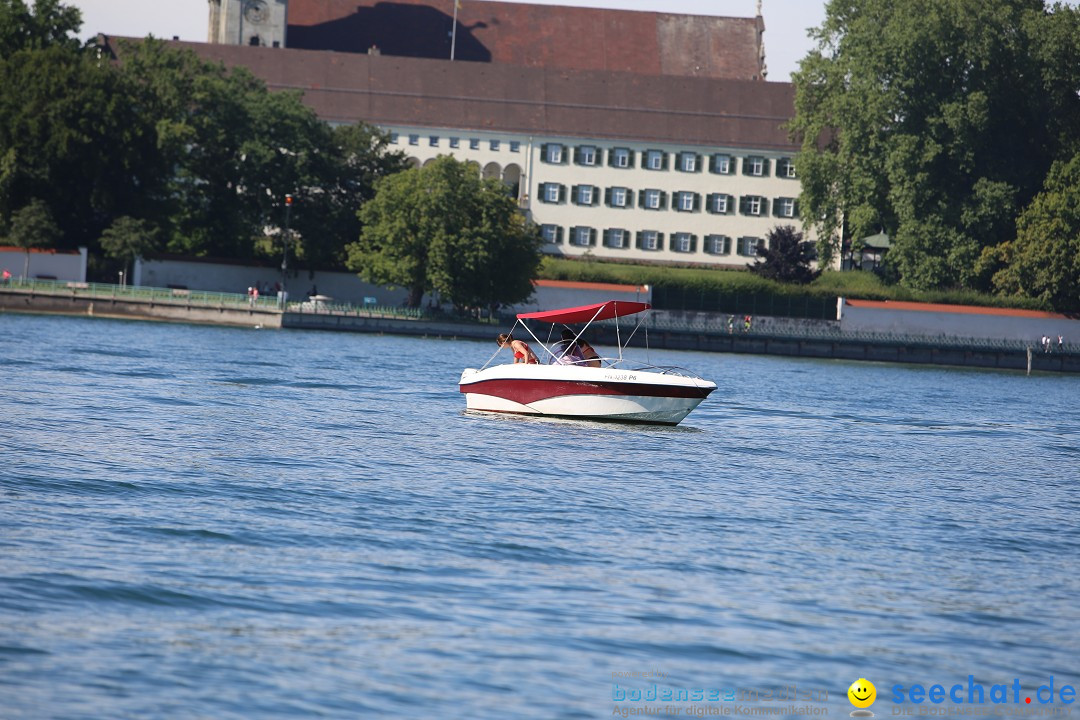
(786, 21)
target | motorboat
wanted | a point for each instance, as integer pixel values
(569, 386)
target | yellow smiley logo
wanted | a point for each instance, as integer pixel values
(862, 693)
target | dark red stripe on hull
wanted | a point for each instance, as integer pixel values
(528, 391)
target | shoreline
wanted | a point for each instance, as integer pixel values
(236, 311)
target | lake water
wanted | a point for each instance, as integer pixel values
(201, 522)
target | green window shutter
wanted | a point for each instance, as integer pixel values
(746, 166)
(795, 208)
(765, 167)
(663, 200)
(659, 241)
(730, 205)
(637, 239)
(641, 198)
(775, 207)
(607, 238)
(740, 248)
(698, 159)
(693, 243)
(577, 156)
(607, 197)
(544, 152)
(574, 194)
(697, 202)
(765, 207)
(562, 194)
(595, 196)
(744, 205)
(727, 246)
(592, 237)
(629, 198)
(600, 156)
(559, 234)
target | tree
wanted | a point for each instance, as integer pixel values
(32, 226)
(1044, 260)
(128, 238)
(441, 227)
(47, 24)
(785, 257)
(344, 179)
(933, 120)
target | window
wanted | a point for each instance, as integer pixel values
(586, 155)
(494, 145)
(551, 234)
(748, 246)
(682, 242)
(785, 168)
(433, 141)
(755, 165)
(455, 142)
(551, 192)
(552, 153)
(474, 143)
(687, 201)
(414, 139)
(784, 207)
(721, 164)
(688, 162)
(515, 146)
(581, 236)
(653, 199)
(718, 244)
(584, 194)
(618, 197)
(621, 157)
(393, 138)
(654, 159)
(615, 238)
(753, 205)
(650, 240)
(719, 203)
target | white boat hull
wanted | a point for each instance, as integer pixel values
(584, 392)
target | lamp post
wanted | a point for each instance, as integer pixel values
(285, 250)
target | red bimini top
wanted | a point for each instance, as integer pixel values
(587, 313)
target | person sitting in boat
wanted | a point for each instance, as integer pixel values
(566, 351)
(587, 352)
(522, 352)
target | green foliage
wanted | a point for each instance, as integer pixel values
(933, 120)
(47, 24)
(785, 257)
(442, 228)
(128, 238)
(746, 290)
(32, 226)
(1044, 260)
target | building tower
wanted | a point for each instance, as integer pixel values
(248, 22)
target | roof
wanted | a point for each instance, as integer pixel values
(880, 241)
(551, 36)
(388, 91)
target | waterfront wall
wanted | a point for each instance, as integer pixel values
(48, 264)
(955, 321)
(225, 277)
(174, 309)
(677, 331)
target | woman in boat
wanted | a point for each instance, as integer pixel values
(522, 352)
(587, 352)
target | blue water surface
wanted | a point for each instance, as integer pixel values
(202, 522)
